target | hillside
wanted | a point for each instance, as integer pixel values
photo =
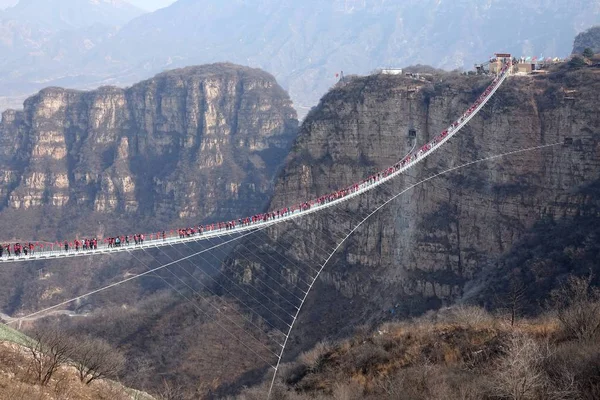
(457, 353)
(16, 381)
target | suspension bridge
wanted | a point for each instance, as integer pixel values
(279, 316)
(260, 221)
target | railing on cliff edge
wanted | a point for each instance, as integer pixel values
(286, 214)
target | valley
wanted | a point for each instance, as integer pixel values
(484, 247)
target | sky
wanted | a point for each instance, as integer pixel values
(150, 5)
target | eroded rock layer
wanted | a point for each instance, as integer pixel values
(189, 144)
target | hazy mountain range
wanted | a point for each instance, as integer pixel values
(304, 44)
(70, 14)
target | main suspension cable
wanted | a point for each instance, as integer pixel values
(276, 369)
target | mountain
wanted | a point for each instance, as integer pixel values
(41, 40)
(71, 14)
(458, 236)
(186, 146)
(207, 143)
(169, 147)
(587, 39)
(304, 44)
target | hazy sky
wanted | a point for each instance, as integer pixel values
(151, 5)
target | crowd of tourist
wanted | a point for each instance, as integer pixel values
(138, 239)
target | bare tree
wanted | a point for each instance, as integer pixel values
(514, 300)
(518, 374)
(95, 358)
(50, 349)
(171, 391)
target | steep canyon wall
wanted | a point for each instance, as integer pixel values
(429, 246)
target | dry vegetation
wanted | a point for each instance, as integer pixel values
(459, 353)
(20, 379)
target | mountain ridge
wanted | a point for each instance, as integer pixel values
(353, 36)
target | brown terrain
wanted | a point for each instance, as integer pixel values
(461, 352)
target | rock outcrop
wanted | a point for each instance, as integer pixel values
(189, 144)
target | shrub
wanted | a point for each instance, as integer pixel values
(292, 373)
(363, 358)
(577, 306)
(577, 62)
(313, 359)
(573, 371)
(466, 315)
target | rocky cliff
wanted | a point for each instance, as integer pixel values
(189, 144)
(430, 246)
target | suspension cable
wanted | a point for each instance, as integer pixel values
(276, 369)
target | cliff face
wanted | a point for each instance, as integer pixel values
(187, 144)
(426, 248)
